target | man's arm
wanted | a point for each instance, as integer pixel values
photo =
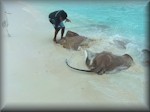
(67, 20)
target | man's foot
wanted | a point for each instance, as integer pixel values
(55, 41)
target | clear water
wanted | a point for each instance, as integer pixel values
(102, 20)
(108, 20)
(127, 19)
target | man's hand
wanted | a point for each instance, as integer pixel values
(67, 20)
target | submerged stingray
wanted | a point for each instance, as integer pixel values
(146, 54)
(121, 43)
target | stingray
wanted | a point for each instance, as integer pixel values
(105, 62)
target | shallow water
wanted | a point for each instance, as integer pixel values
(106, 20)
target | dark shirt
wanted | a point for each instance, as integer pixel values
(56, 16)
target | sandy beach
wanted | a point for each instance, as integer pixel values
(35, 73)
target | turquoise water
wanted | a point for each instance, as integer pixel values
(110, 20)
(123, 19)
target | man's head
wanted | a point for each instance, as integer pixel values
(61, 19)
(63, 16)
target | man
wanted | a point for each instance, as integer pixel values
(57, 18)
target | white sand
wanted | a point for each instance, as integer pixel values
(35, 73)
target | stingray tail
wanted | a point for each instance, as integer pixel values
(77, 68)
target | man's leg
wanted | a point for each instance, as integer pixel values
(62, 32)
(52, 21)
(62, 29)
(56, 32)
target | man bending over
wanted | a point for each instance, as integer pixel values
(57, 18)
